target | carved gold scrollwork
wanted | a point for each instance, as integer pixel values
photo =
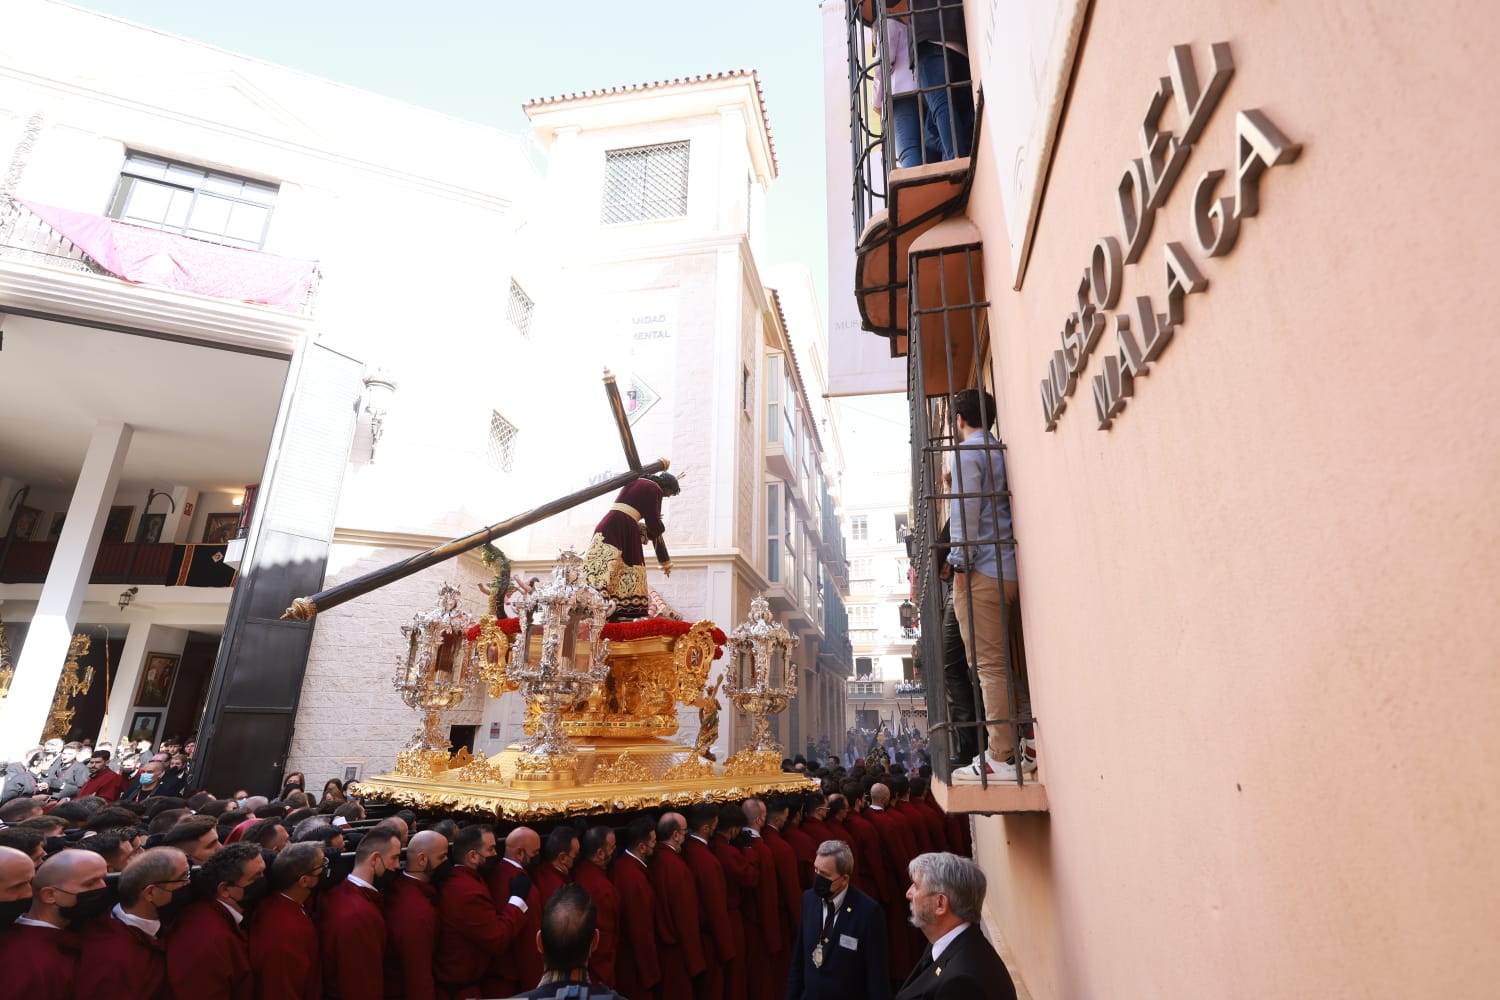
(479, 771)
(750, 763)
(693, 767)
(493, 649)
(621, 771)
(693, 655)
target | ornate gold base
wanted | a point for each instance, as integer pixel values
(607, 776)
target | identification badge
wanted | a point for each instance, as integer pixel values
(818, 956)
(845, 941)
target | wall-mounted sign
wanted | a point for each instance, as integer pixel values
(1142, 334)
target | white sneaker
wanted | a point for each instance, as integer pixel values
(984, 764)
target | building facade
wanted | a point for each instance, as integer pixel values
(1250, 531)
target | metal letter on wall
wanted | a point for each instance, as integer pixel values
(257, 681)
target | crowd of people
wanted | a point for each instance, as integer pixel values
(142, 893)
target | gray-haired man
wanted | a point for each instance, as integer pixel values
(946, 895)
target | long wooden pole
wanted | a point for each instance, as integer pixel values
(304, 608)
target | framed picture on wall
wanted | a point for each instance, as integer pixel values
(117, 525)
(220, 528)
(143, 726)
(151, 526)
(157, 674)
(55, 531)
(23, 525)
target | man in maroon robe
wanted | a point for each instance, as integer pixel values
(208, 953)
(871, 867)
(125, 959)
(38, 952)
(895, 840)
(804, 847)
(472, 934)
(763, 917)
(351, 926)
(678, 913)
(411, 920)
(741, 878)
(640, 957)
(720, 946)
(520, 968)
(283, 941)
(559, 855)
(103, 782)
(596, 851)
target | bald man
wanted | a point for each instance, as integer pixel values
(16, 872)
(521, 966)
(37, 954)
(411, 919)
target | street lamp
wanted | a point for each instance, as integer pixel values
(908, 614)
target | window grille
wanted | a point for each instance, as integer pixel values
(502, 450)
(645, 182)
(861, 616)
(204, 204)
(859, 528)
(519, 309)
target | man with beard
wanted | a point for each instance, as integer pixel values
(946, 895)
(38, 954)
(640, 955)
(591, 872)
(16, 872)
(123, 956)
(102, 781)
(208, 952)
(67, 773)
(682, 961)
(411, 918)
(283, 940)
(351, 928)
(521, 967)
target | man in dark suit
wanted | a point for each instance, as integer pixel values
(946, 894)
(840, 947)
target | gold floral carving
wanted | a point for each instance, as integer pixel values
(620, 771)
(753, 763)
(693, 767)
(421, 763)
(493, 649)
(479, 771)
(460, 758)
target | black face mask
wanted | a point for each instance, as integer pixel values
(439, 875)
(87, 905)
(489, 864)
(387, 878)
(253, 893)
(12, 909)
(181, 896)
(822, 886)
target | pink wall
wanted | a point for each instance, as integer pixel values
(1261, 610)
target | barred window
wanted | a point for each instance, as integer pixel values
(519, 309)
(502, 450)
(645, 182)
(204, 204)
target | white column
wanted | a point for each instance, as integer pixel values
(177, 522)
(23, 714)
(137, 637)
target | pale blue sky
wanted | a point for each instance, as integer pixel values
(480, 60)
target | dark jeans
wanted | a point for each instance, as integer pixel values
(915, 141)
(943, 75)
(965, 703)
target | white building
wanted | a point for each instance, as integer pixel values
(423, 346)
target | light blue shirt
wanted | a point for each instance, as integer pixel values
(979, 467)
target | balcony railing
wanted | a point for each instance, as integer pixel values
(25, 237)
(148, 563)
(866, 689)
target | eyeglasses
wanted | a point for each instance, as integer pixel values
(174, 881)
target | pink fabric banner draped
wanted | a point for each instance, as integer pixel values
(171, 260)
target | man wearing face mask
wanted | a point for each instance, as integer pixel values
(559, 855)
(677, 913)
(522, 967)
(283, 941)
(716, 933)
(840, 947)
(147, 782)
(411, 918)
(124, 958)
(16, 872)
(208, 951)
(37, 955)
(596, 850)
(473, 935)
(351, 926)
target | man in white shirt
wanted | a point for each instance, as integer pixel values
(946, 895)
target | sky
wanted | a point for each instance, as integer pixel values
(481, 59)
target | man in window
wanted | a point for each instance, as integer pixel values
(983, 560)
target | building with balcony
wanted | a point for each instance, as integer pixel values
(1256, 568)
(651, 214)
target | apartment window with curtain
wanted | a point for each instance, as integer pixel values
(204, 204)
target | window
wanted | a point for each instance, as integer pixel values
(502, 450)
(859, 528)
(773, 399)
(773, 532)
(861, 569)
(645, 182)
(179, 198)
(861, 616)
(519, 309)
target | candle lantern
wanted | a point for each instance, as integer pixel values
(762, 685)
(434, 676)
